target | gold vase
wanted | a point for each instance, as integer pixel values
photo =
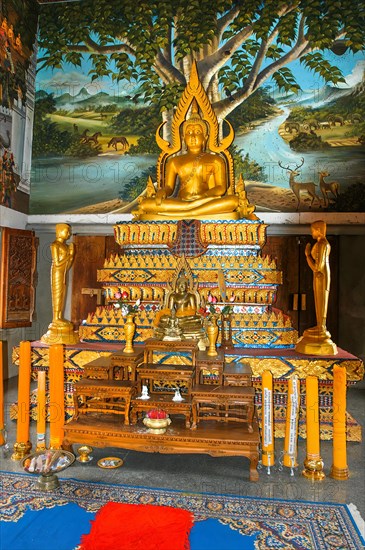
(129, 330)
(212, 332)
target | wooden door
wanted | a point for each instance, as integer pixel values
(295, 296)
(91, 252)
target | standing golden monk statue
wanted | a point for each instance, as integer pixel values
(60, 331)
(195, 176)
(317, 340)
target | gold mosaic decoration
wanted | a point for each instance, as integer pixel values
(223, 233)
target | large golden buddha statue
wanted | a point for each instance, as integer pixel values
(179, 318)
(195, 177)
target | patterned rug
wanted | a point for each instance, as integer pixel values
(31, 518)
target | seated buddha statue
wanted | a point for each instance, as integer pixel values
(180, 320)
(195, 183)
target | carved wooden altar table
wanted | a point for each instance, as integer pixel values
(282, 362)
(211, 438)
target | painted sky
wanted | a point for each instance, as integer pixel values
(71, 79)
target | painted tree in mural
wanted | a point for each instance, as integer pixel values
(239, 45)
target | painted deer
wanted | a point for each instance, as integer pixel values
(298, 188)
(328, 187)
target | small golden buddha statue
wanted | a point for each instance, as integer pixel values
(317, 340)
(198, 183)
(179, 319)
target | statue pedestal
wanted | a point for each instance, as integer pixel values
(61, 333)
(316, 342)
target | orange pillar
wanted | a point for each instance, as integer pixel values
(268, 456)
(313, 464)
(56, 395)
(339, 468)
(23, 445)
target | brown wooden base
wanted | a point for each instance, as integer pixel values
(215, 439)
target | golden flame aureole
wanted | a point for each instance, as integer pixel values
(194, 98)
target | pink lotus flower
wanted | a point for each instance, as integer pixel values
(157, 414)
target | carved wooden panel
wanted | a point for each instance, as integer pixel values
(295, 296)
(17, 277)
(90, 253)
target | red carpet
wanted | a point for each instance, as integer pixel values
(138, 527)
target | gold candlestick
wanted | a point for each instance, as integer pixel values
(313, 464)
(84, 451)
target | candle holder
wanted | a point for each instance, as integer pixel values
(47, 464)
(84, 452)
(313, 468)
(339, 473)
(5, 447)
(21, 450)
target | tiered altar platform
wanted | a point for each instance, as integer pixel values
(282, 362)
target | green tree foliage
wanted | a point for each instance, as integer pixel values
(82, 150)
(48, 140)
(307, 142)
(238, 45)
(249, 168)
(352, 200)
(145, 144)
(143, 121)
(259, 105)
(137, 185)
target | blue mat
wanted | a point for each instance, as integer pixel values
(64, 526)
(32, 520)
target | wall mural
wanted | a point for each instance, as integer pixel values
(18, 27)
(289, 78)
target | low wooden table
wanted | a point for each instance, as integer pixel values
(237, 374)
(104, 396)
(223, 403)
(165, 402)
(212, 438)
(176, 375)
(127, 363)
(207, 363)
(100, 369)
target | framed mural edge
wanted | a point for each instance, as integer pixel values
(18, 277)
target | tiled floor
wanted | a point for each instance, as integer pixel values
(225, 475)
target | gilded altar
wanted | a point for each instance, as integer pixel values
(198, 214)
